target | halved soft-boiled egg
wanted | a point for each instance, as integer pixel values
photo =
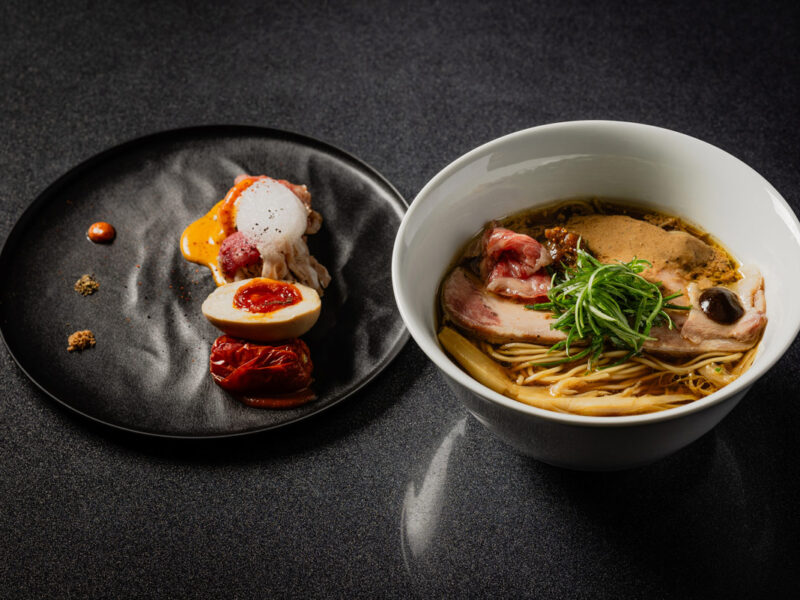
(263, 310)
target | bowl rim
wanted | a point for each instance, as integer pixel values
(429, 344)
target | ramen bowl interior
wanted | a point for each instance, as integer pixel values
(636, 164)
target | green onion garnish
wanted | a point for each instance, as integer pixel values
(603, 304)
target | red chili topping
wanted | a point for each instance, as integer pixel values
(101, 232)
(266, 296)
(267, 376)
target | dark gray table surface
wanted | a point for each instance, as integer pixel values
(397, 491)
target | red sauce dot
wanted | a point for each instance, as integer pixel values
(101, 232)
(266, 296)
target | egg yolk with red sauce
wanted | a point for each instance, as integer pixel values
(265, 296)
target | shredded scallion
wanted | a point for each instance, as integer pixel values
(601, 304)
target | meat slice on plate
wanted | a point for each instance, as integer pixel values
(470, 306)
(239, 256)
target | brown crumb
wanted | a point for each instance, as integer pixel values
(562, 245)
(81, 340)
(86, 285)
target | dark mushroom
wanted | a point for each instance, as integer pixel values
(721, 305)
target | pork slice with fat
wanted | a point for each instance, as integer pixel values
(470, 306)
(699, 334)
(513, 264)
(747, 330)
(670, 342)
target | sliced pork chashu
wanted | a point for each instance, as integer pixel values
(470, 306)
(681, 262)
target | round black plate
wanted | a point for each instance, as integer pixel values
(149, 370)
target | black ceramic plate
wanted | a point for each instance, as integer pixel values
(149, 370)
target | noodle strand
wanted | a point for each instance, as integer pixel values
(532, 365)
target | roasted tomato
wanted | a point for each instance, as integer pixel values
(268, 376)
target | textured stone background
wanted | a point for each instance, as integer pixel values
(395, 492)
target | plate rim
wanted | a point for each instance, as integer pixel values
(206, 130)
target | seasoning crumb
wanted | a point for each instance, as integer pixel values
(81, 340)
(86, 285)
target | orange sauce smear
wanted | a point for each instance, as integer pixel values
(200, 241)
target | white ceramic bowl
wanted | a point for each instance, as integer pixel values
(651, 166)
